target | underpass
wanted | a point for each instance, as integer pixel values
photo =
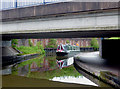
(63, 20)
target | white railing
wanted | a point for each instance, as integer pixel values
(10, 4)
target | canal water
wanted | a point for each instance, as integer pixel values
(47, 71)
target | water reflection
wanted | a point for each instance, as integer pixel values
(65, 62)
(51, 68)
(47, 65)
(23, 71)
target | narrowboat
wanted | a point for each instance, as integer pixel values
(63, 50)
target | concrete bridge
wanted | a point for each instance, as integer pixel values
(62, 20)
(65, 20)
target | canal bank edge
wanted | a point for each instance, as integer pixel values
(99, 71)
(17, 59)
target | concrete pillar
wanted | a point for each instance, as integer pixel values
(4, 46)
(9, 54)
(5, 43)
(7, 50)
(100, 46)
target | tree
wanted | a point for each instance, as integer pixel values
(40, 47)
(52, 43)
(67, 41)
(94, 43)
(30, 43)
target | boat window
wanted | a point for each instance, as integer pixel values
(65, 47)
(61, 48)
(59, 63)
(58, 47)
(76, 47)
(73, 47)
(64, 64)
(70, 47)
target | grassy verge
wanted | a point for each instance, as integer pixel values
(30, 50)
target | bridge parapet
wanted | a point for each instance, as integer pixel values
(56, 9)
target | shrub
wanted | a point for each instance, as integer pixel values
(40, 47)
(14, 43)
(30, 43)
(94, 43)
(67, 41)
(31, 49)
(52, 43)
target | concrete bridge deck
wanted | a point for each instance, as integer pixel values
(62, 20)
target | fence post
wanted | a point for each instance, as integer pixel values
(15, 3)
(44, 2)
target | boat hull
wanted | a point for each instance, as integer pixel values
(70, 54)
(61, 53)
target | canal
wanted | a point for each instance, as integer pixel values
(48, 71)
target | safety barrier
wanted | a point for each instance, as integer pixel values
(11, 4)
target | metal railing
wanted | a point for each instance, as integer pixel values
(11, 4)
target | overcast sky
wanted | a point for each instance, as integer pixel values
(61, 0)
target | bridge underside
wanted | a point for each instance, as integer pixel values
(63, 34)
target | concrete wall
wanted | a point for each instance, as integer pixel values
(83, 22)
(54, 9)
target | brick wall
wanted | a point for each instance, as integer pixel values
(81, 42)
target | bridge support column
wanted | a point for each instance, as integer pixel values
(8, 53)
(5, 45)
(100, 46)
(110, 49)
(7, 50)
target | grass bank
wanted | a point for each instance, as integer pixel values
(30, 50)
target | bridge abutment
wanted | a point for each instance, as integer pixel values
(110, 49)
(8, 53)
(7, 50)
(100, 47)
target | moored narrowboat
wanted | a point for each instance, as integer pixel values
(63, 50)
